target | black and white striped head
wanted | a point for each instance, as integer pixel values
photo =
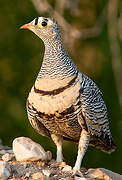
(43, 27)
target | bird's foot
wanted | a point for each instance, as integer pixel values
(77, 173)
(59, 160)
(59, 157)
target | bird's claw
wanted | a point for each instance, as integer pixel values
(77, 173)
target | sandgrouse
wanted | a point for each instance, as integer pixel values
(64, 103)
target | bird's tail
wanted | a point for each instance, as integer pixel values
(104, 143)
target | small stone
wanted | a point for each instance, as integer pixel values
(67, 178)
(62, 163)
(101, 173)
(27, 150)
(38, 176)
(24, 165)
(2, 152)
(46, 172)
(95, 173)
(27, 174)
(10, 151)
(7, 157)
(49, 155)
(80, 178)
(5, 170)
(41, 163)
(67, 168)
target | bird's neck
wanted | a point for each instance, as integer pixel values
(56, 63)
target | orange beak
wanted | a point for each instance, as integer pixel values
(27, 26)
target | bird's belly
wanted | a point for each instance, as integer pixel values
(63, 125)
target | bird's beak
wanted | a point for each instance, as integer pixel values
(27, 26)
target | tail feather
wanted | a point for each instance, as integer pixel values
(104, 143)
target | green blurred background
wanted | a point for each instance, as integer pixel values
(21, 54)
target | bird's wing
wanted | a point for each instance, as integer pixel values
(35, 120)
(94, 110)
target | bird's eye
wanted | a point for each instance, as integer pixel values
(44, 23)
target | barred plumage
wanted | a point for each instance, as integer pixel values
(64, 103)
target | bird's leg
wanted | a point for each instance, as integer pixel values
(82, 147)
(58, 140)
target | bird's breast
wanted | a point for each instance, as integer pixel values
(54, 95)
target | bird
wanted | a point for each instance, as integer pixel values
(64, 103)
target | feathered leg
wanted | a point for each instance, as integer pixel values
(58, 140)
(82, 147)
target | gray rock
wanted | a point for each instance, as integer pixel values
(5, 170)
(67, 168)
(7, 157)
(10, 151)
(2, 152)
(101, 173)
(38, 176)
(27, 150)
(81, 178)
(47, 172)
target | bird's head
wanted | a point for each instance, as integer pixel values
(45, 28)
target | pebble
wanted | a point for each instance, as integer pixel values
(5, 170)
(7, 157)
(38, 176)
(49, 155)
(27, 175)
(24, 165)
(67, 178)
(27, 150)
(80, 178)
(2, 152)
(67, 168)
(10, 151)
(46, 172)
(62, 163)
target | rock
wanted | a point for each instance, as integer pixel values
(27, 150)
(81, 178)
(27, 175)
(67, 168)
(49, 155)
(24, 165)
(62, 163)
(10, 151)
(38, 176)
(67, 178)
(2, 152)
(46, 172)
(104, 174)
(7, 157)
(5, 170)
